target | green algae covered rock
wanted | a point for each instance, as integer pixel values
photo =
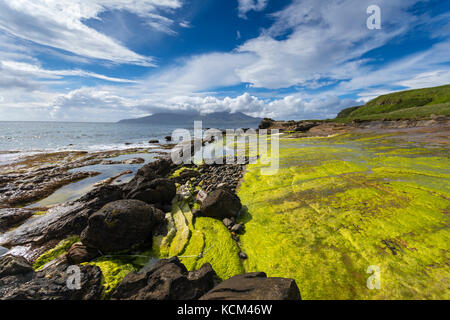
(50, 255)
(206, 240)
(113, 269)
(340, 205)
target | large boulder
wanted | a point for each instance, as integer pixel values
(221, 204)
(156, 191)
(167, 280)
(120, 225)
(254, 286)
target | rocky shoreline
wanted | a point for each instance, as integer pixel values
(117, 219)
(126, 218)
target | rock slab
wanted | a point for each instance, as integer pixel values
(254, 286)
(167, 280)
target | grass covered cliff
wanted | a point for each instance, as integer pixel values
(411, 104)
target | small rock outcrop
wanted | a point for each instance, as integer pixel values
(167, 280)
(254, 286)
(221, 204)
(120, 225)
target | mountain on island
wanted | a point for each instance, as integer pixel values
(220, 120)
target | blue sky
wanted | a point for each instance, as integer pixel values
(105, 60)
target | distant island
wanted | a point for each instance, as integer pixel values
(220, 120)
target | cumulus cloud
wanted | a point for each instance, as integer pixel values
(111, 104)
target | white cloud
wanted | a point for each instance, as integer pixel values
(310, 44)
(24, 70)
(245, 6)
(59, 24)
(320, 40)
(107, 103)
(200, 73)
(427, 79)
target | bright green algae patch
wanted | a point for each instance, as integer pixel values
(50, 255)
(339, 205)
(199, 241)
(114, 269)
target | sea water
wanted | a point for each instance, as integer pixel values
(23, 138)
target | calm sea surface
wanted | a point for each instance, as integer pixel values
(29, 137)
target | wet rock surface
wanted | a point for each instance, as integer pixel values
(117, 219)
(11, 217)
(120, 225)
(18, 281)
(254, 286)
(34, 186)
(167, 280)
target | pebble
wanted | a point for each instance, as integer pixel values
(243, 256)
(237, 228)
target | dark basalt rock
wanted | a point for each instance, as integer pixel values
(79, 253)
(156, 191)
(120, 225)
(221, 204)
(12, 217)
(167, 280)
(151, 171)
(254, 286)
(186, 175)
(13, 265)
(18, 281)
(98, 197)
(266, 123)
(154, 141)
(42, 232)
(305, 126)
(57, 223)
